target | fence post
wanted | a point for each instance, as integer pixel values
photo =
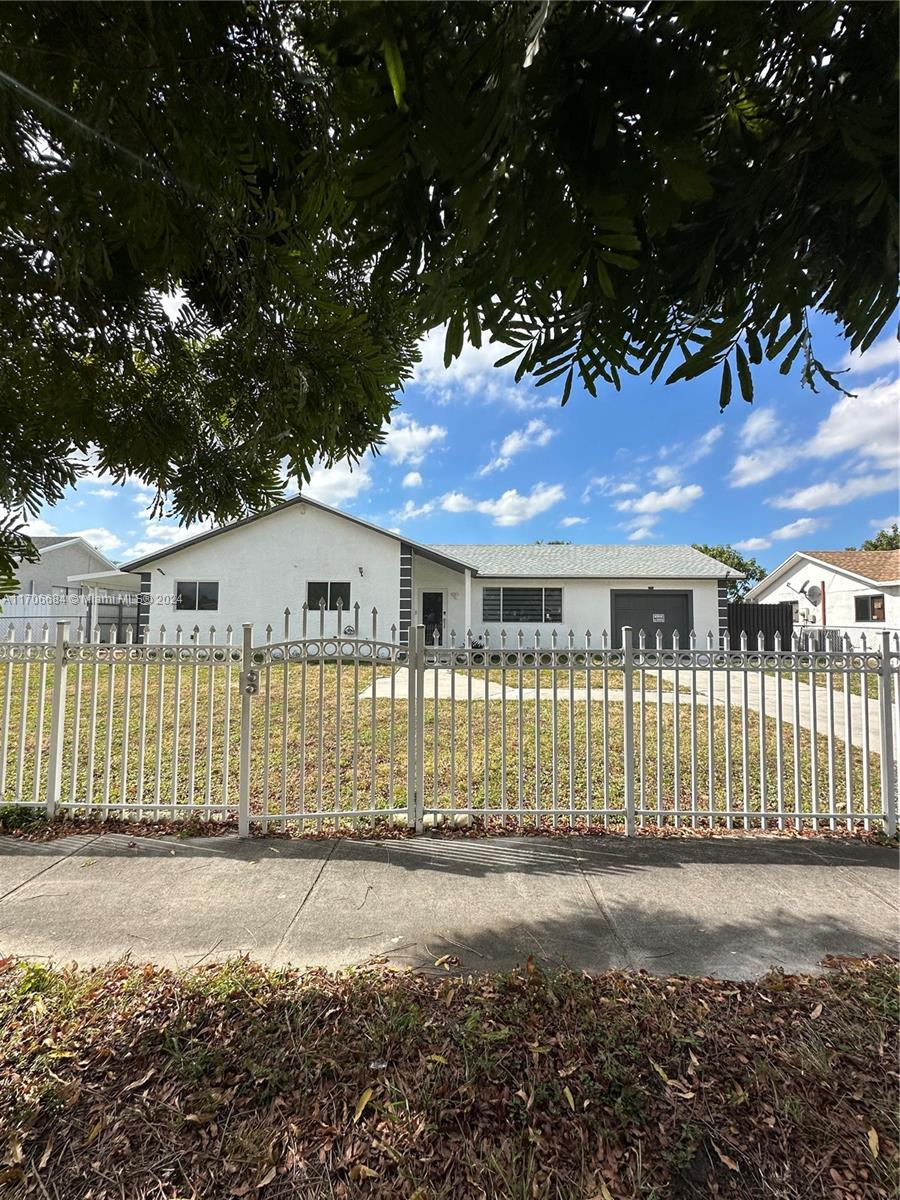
(886, 734)
(628, 726)
(248, 690)
(57, 719)
(416, 717)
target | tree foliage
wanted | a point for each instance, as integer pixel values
(154, 150)
(601, 189)
(885, 539)
(752, 571)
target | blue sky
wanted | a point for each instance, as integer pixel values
(472, 457)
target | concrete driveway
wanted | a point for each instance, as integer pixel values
(730, 907)
(450, 685)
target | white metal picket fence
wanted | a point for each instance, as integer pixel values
(323, 726)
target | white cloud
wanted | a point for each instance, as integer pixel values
(885, 522)
(761, 465)
(105, 493)
(407, 441)
(835, 492)
(642, 533)
(676, 459)
(412, 479)
(536, 433)
(703, 446)
(40, 528)
(143, 498)
(866, 424)
(410, 510)
(665, 474)
(159, 535)
(473, 374)
(101, 539)
(568, 522)
(799, 528)
(340, 483)
(511, 508)
(885, 353)
(676, 498)
(766, 450)
(864, 427)
(761, 426)
(606, 485)
(796, 529)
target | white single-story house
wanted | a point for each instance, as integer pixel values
(306, 552)
(850, 591)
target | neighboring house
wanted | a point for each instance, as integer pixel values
(305, 552)
(60, 558)
(59, 586)
(851, 591)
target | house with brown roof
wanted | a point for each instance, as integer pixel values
(852, 591)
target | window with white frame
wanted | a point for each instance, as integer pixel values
(329, 593)
(197, 596)
(869, 608)
(532, 605)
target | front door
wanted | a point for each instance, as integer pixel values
(433, 618)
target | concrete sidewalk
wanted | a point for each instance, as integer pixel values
(730, 908)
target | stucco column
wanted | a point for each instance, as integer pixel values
(467, 607)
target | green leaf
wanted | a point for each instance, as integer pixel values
(725, 390)
(744, 374)
(754, 346)
(603, 278)
(692, 366)
(567, 390)
(396, 73)
(790, 357)
(454, 341)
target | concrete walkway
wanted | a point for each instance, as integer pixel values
(449, 685)
(804, 707)
(730, 907)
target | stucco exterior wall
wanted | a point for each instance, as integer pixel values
(586, 603)
(52, 572)
(840, 594)
(263, 567)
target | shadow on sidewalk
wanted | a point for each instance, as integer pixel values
(477, 856)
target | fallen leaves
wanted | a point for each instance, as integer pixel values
(361, 1104)
(267, 1178)
(603, 1194)
(377, 1083)
(725, 1159)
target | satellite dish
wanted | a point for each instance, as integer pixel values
(814, 594)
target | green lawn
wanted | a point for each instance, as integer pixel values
(838, 682)
(319, 766)
(238, 1081)
(531, 679)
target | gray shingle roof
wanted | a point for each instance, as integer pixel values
(606, 562)
(40, 542)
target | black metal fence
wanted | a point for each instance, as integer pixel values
(765, 619)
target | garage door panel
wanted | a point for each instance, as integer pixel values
(653, 612)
